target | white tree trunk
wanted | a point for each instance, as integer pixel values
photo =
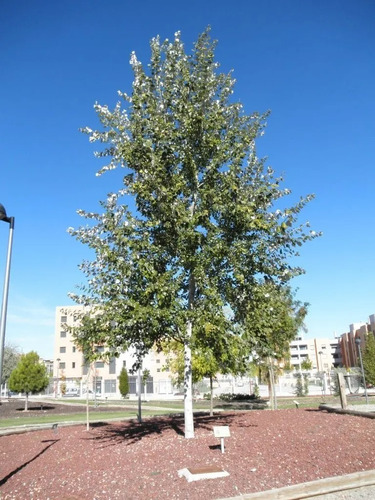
(211, 396)
(188, 385)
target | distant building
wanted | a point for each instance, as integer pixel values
(324, 354)
(348, 346)
(75, 375)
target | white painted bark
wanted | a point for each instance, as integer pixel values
(188, 370)
(211, 396)
(188, 375)
(188, 386)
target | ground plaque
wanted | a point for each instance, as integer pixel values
(204, 472)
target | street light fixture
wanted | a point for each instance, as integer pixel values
(10, 220)
(358, 342)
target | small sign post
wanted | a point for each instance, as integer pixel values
(221, 432)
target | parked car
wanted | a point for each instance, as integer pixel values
(71, 393)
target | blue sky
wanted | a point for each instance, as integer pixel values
(311, 63)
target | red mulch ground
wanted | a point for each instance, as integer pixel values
(127, 460)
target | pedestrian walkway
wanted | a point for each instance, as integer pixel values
(360, 485)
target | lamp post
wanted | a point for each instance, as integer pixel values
(358, 342)
(10, 220)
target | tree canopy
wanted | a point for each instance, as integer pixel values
(209, 229)
(369, 359)
(11, 357)
(30, 375)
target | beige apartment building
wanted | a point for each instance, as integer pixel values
(325, 354)
(73, 375)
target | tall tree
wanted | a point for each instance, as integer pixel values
(30, 376)
(208, 222)
(369, 359)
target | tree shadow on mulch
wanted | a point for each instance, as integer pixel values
(132, 431)
(18, 469)
(36, 408)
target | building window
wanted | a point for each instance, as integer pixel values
(158, 360)
(124, 363)
(62, 349)
(85, 366)
(64, 319)
(99, 364)
(112, 366)
(158, 370)
(62, 335)
(73, 365)
(62, 365)
(74, 348)
(110, 386)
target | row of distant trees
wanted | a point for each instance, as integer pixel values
(25, 373)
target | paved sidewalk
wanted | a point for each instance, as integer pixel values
(359, 485)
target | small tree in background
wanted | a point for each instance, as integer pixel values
(145, 376)
(306, 364)
(124, 383)
(305, 384)
(299, 385)
(11, 358)
(368, 359)
(30, 376)
(63, 385)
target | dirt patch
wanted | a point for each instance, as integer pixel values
(127, 460)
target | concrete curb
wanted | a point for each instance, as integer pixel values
(314, 488)
(342, 411)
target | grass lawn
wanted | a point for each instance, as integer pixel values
(73, 417)
(163, 407)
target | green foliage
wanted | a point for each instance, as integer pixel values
(368, 359)
(225, 356)
(210, 237)
(288, 367)
(30, 376)
(302, 384)
(305, 384)
(306, 364)
(256, 392)
(63, 385)
(272, 320)
(124, 382)
(145, 376)
(299, 385)
(11, 358)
